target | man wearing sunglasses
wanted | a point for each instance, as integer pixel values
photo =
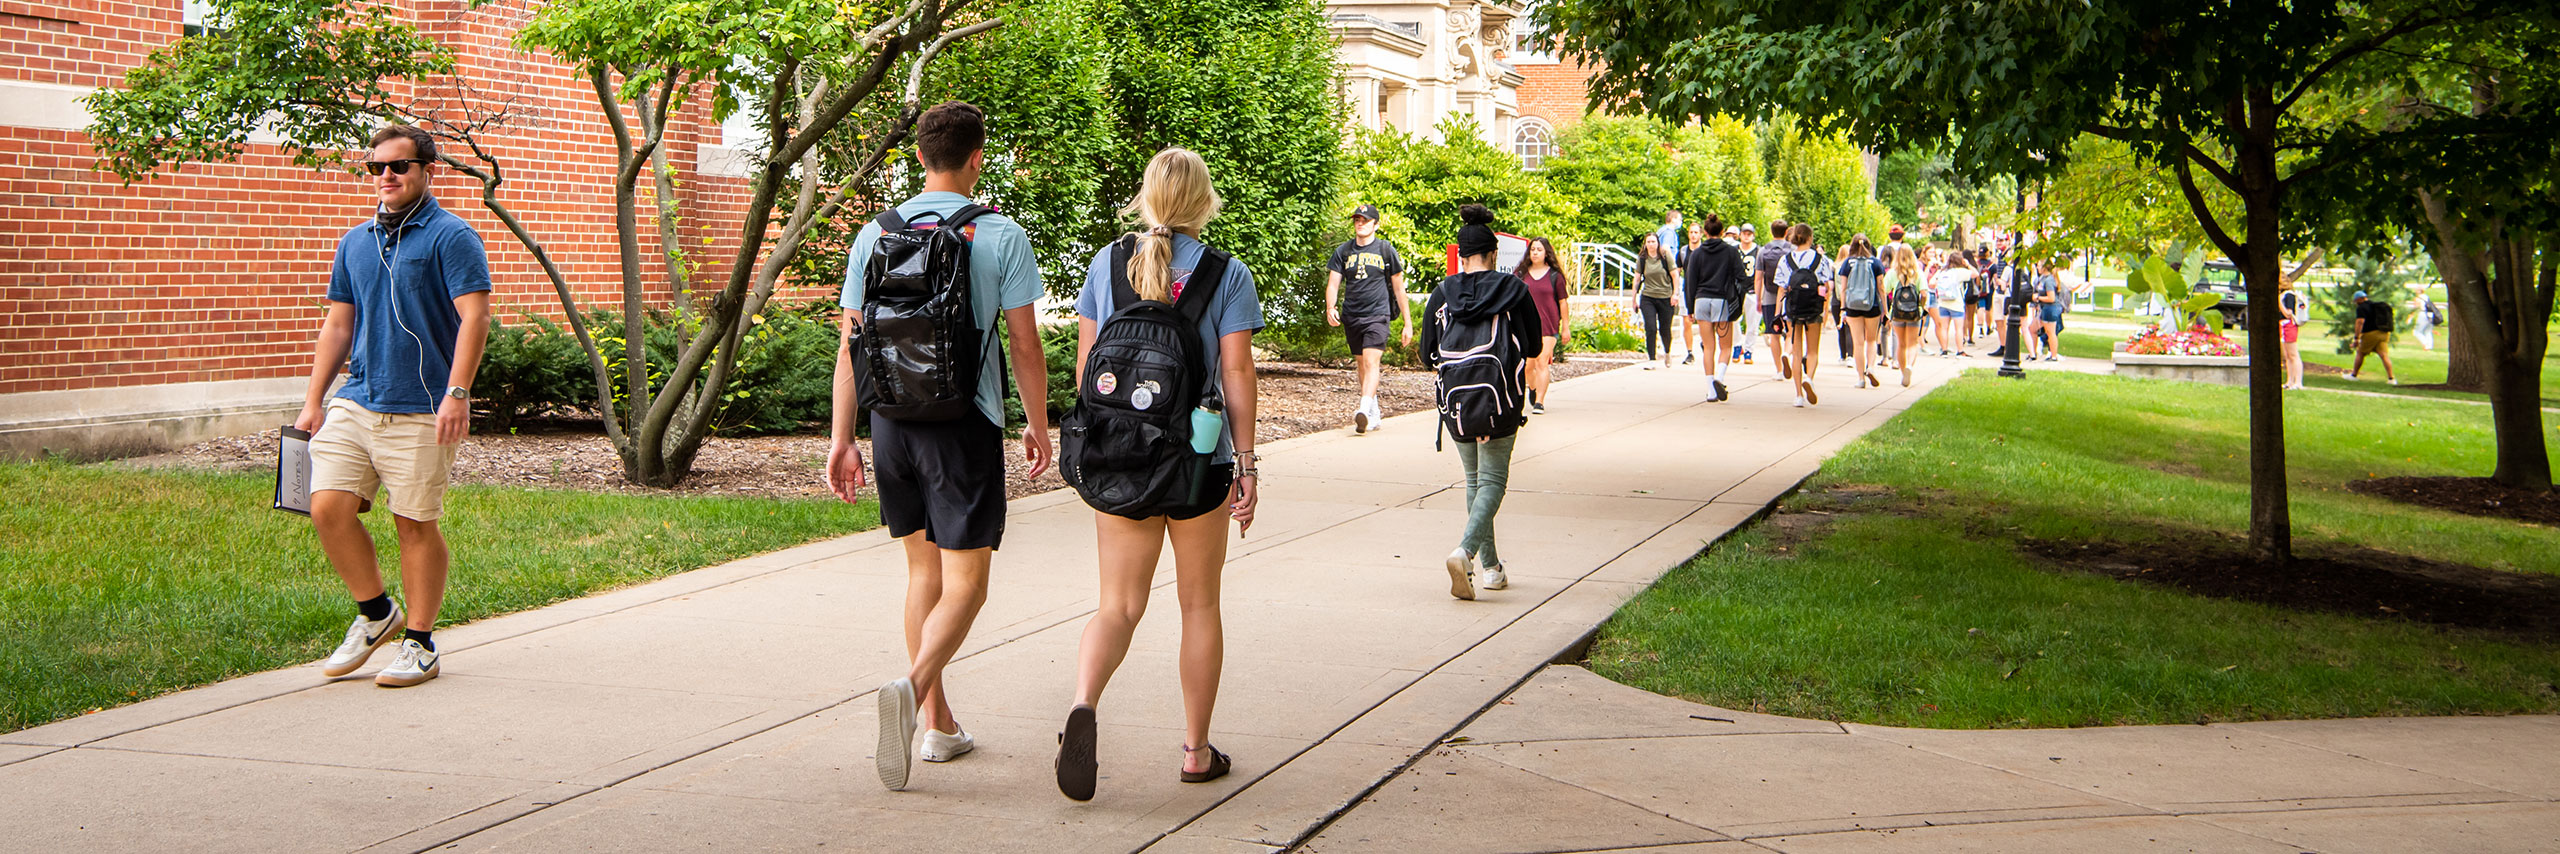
(408, 314)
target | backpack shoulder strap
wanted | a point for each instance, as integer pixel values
(1122, 294)
(1205, 279)
(889, 220)
(965, 215)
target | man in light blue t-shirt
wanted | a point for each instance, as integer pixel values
(942, 483)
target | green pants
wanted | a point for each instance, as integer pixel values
(1488, 474)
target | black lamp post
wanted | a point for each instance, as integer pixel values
(2009, 360)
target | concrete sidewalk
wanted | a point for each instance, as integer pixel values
(1573, 762)
(729, 708)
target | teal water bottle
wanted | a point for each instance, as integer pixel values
(1206, 422)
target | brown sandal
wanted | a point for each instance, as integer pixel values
(1219, 765)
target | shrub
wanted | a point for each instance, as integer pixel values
(530, 370)
(1606, 328)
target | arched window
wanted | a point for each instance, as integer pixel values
(1533, 141)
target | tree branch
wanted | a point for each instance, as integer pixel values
(2312, 78)
(915, 76)
(2204, 215)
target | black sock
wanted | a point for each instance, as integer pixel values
(375, 608)
(425, 638)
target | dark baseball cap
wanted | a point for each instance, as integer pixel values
(1367, 212)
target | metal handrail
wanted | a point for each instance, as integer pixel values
(1605, 267)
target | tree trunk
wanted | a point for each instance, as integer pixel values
(2501, 296)
(2261, 192)
(2515, 411)
(2463, 367)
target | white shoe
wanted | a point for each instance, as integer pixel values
(1492, 578)
(941, 746)
(2351, 375)
(895, 752)
(1462, 568)
(1652, 366)
(1799, 401)
(1360, 420)
(363, 637)
(2393, 380)
(413, 664)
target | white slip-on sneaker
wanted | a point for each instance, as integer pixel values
(1462, 568)
(896, 752)
(1492, 578)
(942, 746)
(1377, 417)
(413, 664)
(363, 637)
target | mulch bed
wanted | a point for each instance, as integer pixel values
(1296, 399)
(2477, 496)
(2354, 581)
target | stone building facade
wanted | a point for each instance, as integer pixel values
(1408, 65)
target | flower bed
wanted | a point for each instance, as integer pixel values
(2150, 341)
(2196, 355)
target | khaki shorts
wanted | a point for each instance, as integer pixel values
(358, 450)
(2373, 342)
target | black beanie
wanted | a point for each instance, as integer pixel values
(1476, 236)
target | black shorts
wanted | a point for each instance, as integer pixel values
(1877, 311)
(1364, 333)
(945, 478)
(1771, 321)
(1213, 493)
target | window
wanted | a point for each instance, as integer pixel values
(194, 15)
(1533, 141)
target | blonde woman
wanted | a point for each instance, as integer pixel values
(1803, 279)
(1908, 306)
(1175, 201)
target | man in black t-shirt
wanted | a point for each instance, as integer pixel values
(2373, 336)
(1363, 290)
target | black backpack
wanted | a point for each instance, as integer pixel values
(1804, 295)
(1907, 302)
(1483, 377)
(1127, 446)
(919, 353)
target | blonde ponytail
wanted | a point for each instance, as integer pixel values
(1176, 195)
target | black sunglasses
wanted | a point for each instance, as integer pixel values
(397, 167)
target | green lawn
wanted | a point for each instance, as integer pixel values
(2416, 367)
(120, 585)
(1915, 608)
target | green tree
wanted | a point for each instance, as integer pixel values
(1418, 185)
(2190, 85)
(1621, 172)
(1739, 188)
(1823, 180)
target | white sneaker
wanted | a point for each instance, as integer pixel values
(1492, 578)
(1799, 401)
(414, 663)
(941, 746)
(1360, 420)
(363, 637)
(895, 753)
(1462, 568)
(1652, 366)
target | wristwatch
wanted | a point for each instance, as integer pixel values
(461, 393)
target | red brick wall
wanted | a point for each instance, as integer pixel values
(1555, 92)
(218, 271)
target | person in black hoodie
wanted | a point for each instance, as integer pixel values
(1712, 276)
(1478, 291)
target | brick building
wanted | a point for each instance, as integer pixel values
(183, 307)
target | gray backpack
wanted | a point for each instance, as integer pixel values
(1860, 293)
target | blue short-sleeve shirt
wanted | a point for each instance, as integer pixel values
(402, 285)
(1003, 275)
(1237, 309)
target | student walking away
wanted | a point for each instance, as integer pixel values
(2424, 318)
(1804, 278)
(1907, 306)
(408, 314)
(1477, 333)
(2047, 300)
(1953, 282)
(1746, 250)
(1161, 445)
(1978, 298)
(1654, 291)
(1861, 277)
(1715, 276)
(1367, 276)
(1548, 290)
(1773, 317)
(1673, 250)
(2290, 304)
(924, 284)
(2373, 336)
